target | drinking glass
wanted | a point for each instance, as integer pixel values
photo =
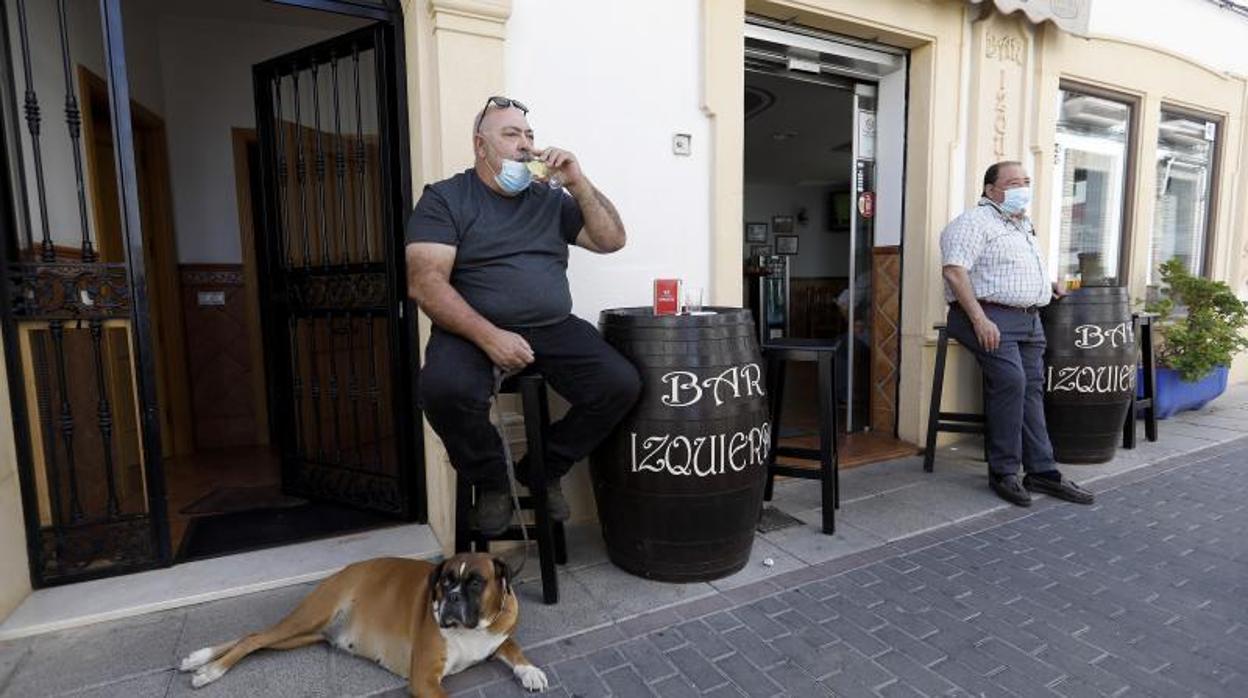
(541, 171)
(693, 299)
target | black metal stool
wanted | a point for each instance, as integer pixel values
(1144, 335)
(551, 541)
(937, 421)
(777, 353)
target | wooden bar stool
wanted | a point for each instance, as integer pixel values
(822, 352)
(937, 421)
(1144, 335)
(549, 535)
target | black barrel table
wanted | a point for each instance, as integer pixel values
(680, 481)
(1089, 380)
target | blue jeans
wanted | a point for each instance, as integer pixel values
(1013, 389)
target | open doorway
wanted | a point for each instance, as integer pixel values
(821, 248)
(232, 480)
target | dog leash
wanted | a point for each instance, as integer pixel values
(501, 375)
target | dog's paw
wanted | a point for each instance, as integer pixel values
(207, 675)
(531, 677)
(196, 659)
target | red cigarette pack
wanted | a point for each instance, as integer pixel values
(666, 296)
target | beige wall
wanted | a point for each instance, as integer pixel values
(14, 565)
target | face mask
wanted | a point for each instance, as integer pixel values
(514, 177)
(1016, 200)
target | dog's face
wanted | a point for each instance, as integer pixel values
(467, 589)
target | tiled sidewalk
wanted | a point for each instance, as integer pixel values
(1140, 594)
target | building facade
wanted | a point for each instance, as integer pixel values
(797, 157)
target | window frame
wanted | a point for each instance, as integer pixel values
(1133, 103)
(1215, 191)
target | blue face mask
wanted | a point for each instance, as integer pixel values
(1016, 200)
(514, 177)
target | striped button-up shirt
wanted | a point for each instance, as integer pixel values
(1000, 255)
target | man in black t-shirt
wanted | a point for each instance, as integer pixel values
(487, 260)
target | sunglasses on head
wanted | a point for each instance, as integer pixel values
(501, 103)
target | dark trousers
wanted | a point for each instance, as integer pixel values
(457, 382)
(1013, 389)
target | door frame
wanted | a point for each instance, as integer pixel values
(242, 139)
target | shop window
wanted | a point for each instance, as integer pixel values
(1185, 156)
(1091, 170)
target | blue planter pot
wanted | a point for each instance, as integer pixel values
(1176, 395)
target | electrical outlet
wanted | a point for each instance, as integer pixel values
(682, 144)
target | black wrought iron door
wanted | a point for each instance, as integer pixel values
(338, 342)
(77, 335)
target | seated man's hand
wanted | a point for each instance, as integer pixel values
(508, 350)
(564, 166)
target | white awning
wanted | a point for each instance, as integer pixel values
(1068, 15)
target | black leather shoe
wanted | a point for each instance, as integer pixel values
(1010, 489)
(1060, 488)
(556, 503)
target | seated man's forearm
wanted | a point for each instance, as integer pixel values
(960, 282)
(448, 310)
(603, 224)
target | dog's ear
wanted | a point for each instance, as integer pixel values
(434, 576)
(503, 573)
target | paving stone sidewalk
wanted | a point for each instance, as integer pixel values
(1144, 593)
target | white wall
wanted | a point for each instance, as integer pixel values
(618, 113)
(819, 252)
(1198, 29)
(208, 90)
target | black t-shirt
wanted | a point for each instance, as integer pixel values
(511, 260)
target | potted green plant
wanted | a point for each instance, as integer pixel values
(1199, 329)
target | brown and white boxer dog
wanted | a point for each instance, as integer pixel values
(420, 621)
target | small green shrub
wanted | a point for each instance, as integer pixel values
(1200, 323)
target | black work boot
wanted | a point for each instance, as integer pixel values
(493, 511)
(556, 503)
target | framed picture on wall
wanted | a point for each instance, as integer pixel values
(759, 250)
(756, 232)
(786, 244)
(782, 224)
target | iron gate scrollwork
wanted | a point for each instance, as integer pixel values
(338, 345)
(76, 336)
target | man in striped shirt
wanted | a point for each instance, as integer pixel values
(996, 283)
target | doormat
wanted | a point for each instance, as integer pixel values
(227, 500)
(222, 534)
(775, 520)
